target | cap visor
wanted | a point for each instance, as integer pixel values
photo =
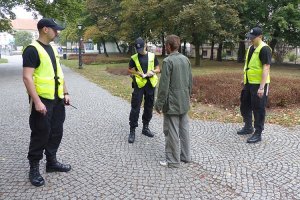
(59, 28)
(250, 36)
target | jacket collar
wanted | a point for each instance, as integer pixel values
(174, 53)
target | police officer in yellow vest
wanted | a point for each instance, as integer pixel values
(48, 94)
(143, 68)
(255, 85)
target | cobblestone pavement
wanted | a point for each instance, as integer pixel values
(105, 166)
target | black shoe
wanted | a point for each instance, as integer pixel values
(185, 161)
(131, 135)
(146, 131)
(256, 137)
(34, 174)
(245, 131)
(53, 165)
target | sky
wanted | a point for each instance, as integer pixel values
(21, 13)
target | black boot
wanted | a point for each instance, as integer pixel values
(53, 165)
(245, 130)
(256, 137)
(131, 135)
(146, 131)
(34, 174)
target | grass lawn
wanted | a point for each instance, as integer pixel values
(120, 85)
(3, 60)
(117, 85)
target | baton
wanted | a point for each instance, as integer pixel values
(72, 106)
(68, 104)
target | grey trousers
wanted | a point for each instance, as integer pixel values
(176, 130)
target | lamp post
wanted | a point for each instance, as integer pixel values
(79, 26)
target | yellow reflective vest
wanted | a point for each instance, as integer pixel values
(44, 76)
(141, 82)
(254, 69)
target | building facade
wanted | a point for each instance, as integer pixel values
(7, 45)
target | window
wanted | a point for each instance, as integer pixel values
(204, 53)
(89, 46)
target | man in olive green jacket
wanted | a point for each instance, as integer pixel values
(173, 100)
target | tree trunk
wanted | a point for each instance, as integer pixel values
(117, 45)
(104, 47)
(274, 41)
(241, 52)
(130, 49)
(197, 55)
(196, 42)
(184, 48)
(280, 52)
(163, 51)
(124, 49)
(273, 44)
(212, 50)
(219, 54)
(179, 48)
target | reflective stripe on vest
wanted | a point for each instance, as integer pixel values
(44, 75)
(141, 82)
(255, 67)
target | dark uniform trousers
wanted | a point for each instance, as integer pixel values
(251, 102)
(136, 100)
(46, 130)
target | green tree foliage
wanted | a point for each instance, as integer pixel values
(6, 13)
(244, 27)
(286, 20)
(63, 10)
(93, 32)
(69, 34)
(227, 23)
(104, 15)
(286, 26)
(168, 21)
(137, 20)
(279, 20)
(23, 38)
(196, 23)
(67, 13)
